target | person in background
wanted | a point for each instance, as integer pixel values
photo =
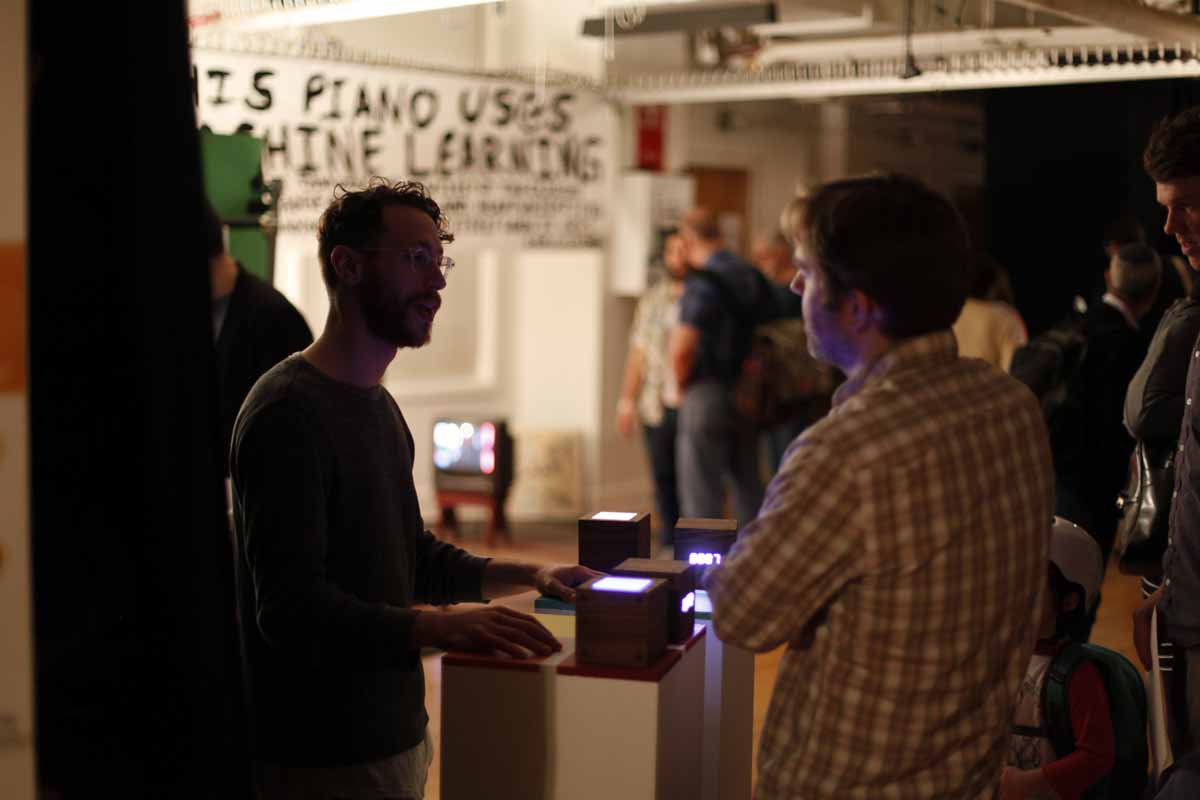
(901, 550)
(649, 392)
(1034, 768)
(716, 319)
(332, 551)
(254, 328)
(1172, 160)
(809, 382)
(1116, 347)
(987, 328)
(1176, 275)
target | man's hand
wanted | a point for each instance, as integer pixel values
(559, 581)
(1143, 617)
(487, 629)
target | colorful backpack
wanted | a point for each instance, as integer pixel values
(1127, 709)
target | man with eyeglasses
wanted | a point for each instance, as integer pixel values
(332, 550)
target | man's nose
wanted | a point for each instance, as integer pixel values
(1172, 224)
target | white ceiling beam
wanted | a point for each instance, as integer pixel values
(1122, 15)
(925, 45)
(926, 82)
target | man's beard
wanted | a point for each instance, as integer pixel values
(395, 322)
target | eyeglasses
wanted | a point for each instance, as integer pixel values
(419, 259)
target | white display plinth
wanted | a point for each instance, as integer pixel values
(553, 728)
(728, 713)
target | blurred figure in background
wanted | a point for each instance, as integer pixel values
(1116, 347)
(1176, 276)
(722, 302)
(988, 328)
(649, 392)
(808, 384)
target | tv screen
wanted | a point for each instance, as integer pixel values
(472, 454)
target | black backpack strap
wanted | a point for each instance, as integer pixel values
(1056, 710)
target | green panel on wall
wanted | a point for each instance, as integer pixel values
(233, 183)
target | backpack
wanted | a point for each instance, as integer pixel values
(775, 375)
(1127, 709)
(1051, 365)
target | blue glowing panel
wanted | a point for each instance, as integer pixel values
(689, 600)
(703, 603)
(631, 585)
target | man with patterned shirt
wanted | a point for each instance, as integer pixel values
(649, 392)
(901, 549)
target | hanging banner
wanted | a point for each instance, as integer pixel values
(501, 158)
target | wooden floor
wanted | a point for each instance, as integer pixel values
(556, 544)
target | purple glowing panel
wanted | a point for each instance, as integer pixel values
(629, 585)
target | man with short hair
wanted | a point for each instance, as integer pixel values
(1172, 160)
(722, 300)
(1116, 345)
(333, 553)
(900, 552)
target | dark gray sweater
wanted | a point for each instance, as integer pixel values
(332, 552)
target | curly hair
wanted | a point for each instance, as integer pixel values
(355, 218)
(1173, 150)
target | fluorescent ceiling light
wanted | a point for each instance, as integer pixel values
(819, 25)
(260, 16)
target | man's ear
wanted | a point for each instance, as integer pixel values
(347, 265)
(864, 312)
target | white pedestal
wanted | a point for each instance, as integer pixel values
(728, 719)
(552, 728)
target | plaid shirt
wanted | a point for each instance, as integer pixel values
(901, 551)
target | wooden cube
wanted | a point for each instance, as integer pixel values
(621, 621)
(704, 543)
(681, 591)
(607, 538)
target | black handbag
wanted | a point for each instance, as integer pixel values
(1145, 508)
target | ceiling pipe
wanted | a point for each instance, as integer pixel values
(927, 45)
(1123, 15)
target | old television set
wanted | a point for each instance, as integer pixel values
(472, 455)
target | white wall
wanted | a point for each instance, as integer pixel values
(779, 144)
(451, 38)
(785, 145)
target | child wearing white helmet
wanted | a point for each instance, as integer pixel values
(1069, 756)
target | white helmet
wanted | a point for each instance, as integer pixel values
(1077, 556)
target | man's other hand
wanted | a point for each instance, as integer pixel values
(485, 629)
(560, 581)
